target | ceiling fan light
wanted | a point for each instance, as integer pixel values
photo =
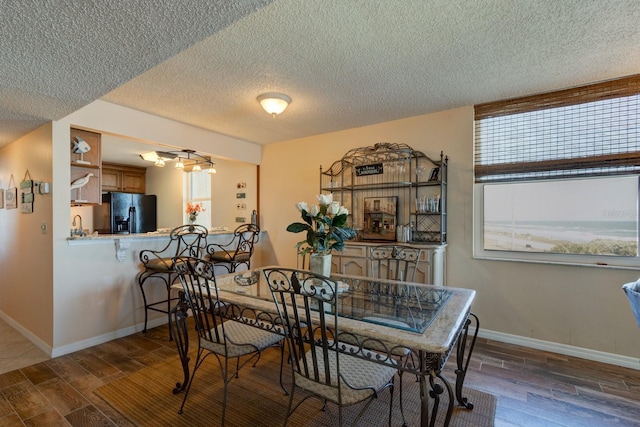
(196, 168)
(179, 164)
(159, 162)
(211, 170)
(274, 103)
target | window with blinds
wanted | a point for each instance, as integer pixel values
(557, 175)
(587, 131)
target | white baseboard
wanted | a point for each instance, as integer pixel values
(79, 345)
(100, 339)
(43, 346)
(568, 350)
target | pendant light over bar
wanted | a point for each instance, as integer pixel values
(187, 160)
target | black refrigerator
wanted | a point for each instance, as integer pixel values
(125, 213)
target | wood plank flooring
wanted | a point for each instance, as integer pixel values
(534, 388)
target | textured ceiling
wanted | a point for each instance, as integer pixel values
(345, 64)
(57, 56)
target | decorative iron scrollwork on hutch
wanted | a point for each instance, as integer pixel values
(388, 188)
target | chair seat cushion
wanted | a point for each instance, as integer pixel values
(222, 256)
(159, 264)
(356, 371)
(241, 339)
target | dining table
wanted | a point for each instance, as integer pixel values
(412, 326)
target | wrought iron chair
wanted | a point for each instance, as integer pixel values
(322, 364)
(184, 241)
(238, 251)
(633, 294)
(222, 329)
(396, 263)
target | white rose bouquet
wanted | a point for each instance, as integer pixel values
(325, 224)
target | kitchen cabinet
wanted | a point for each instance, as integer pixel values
(86, 159)
(123, 178)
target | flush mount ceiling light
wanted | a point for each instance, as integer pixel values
(274, 103)
(187, 160)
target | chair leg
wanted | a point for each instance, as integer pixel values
(404, 420)
(169, 309)
(224, 392)
(144, 300)
(286, 392)
(391, 402)
(168, 282)
(199, 360)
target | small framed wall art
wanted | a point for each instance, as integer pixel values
(26, 194)
(11, 195)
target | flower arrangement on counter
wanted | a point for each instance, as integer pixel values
(193, 209)
(325, 225)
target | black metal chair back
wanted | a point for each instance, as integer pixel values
(322, 364)
(304, 301)
(190, 240)
(222, 329)
(394, 262)
(201, 293)
(238, 251)
(184, 241)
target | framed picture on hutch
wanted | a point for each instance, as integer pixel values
(380, 217)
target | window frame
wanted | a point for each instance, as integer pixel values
(628, 164)
(207, 201)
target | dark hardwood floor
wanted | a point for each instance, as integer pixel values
(534, 388)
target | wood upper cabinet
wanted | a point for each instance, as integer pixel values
(128, 179)
(86, 158)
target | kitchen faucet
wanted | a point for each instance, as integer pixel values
(78, 231)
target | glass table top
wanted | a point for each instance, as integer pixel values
(401, 305)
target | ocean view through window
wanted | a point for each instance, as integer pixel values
(557, 175)
(597, 216)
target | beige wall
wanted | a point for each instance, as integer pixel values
(552, 306)
(26, 258)
(224, 190)
(167, 185)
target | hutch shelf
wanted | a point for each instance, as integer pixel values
(390, 188)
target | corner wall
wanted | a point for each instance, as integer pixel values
(26, 253)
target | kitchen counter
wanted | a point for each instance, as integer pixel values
(123, 241)
(151, 234)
